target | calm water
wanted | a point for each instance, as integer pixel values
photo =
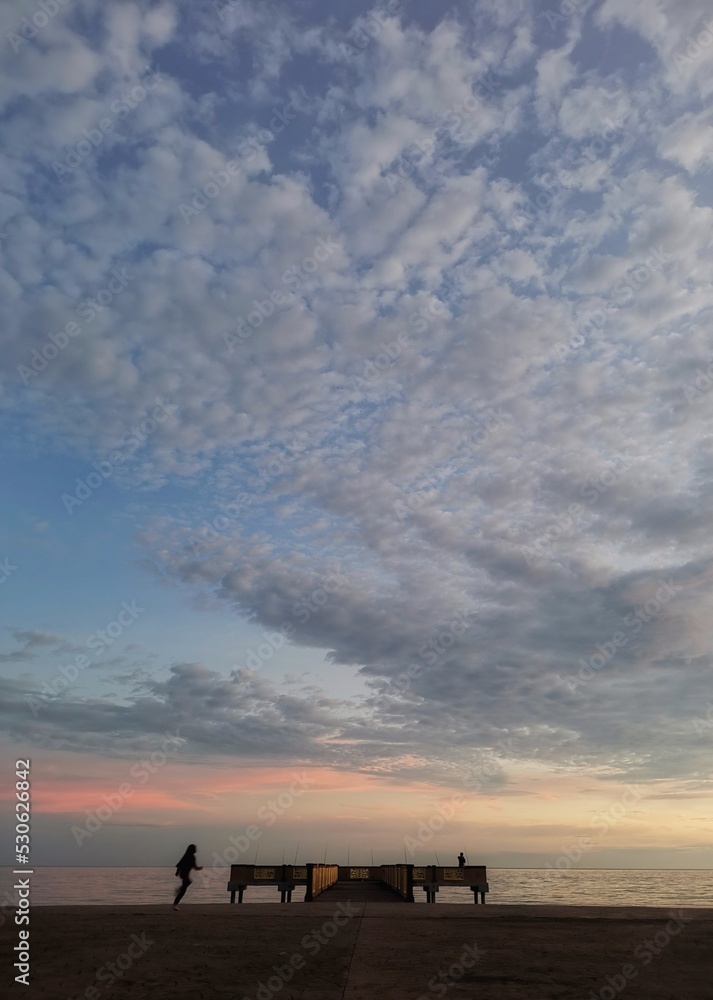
(58, 886)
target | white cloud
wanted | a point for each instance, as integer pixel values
(689, 141)
(680, 32)
(381, 462)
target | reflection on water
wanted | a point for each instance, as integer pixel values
(591, 887)
(65, 886)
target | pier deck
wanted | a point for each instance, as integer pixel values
(360, 892)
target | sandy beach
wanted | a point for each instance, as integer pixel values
(327, 950)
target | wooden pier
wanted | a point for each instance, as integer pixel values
(383, 883)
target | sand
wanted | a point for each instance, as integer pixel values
(323, 951)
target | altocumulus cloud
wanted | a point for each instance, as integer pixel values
(498, 284)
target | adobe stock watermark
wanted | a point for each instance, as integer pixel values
(98, 642)
(703, 723)
(222, 7)
(556, 180)
(428, 828)
(369, 29)
(273, 810)
(142, 772)
(278, 298)
(273, 642)
(29, 27)
(566, 9)
(626, 290)
(695, 47)
(303, 609)
(6, 569)
(644, 954)
(564, 524)
(452, 121)
(86, 311)
(446, 636)
(373, 368)
(634, 621)
(93, 138)
(703, 382)
(233, 511)
(441, 983)
(601, 823)
(219, 180)
(575, 157)
(478, 779)
(105, 467)
(429, 486)
(111, 972)
(312, 943)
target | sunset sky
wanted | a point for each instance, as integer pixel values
(356, 398)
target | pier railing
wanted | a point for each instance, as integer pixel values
(285, 877)
(400, 879)
(319, 878)
(431, 877)
(316, 878)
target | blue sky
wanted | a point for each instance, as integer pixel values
(366, 350)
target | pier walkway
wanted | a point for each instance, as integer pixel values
(360, 892)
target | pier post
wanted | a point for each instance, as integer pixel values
(285, 884)
(431, 888)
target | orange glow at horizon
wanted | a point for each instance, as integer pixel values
(535, 811)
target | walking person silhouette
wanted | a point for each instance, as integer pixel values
(185, 866)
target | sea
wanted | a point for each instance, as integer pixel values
(574, 887)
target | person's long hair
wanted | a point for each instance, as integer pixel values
(188, 860)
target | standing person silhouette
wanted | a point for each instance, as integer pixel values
(461, 860)
(185, 866)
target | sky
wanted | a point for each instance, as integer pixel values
(355, 391)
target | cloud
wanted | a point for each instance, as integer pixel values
(33, 642)
(364, 495)
(677, 32)
(689, 141)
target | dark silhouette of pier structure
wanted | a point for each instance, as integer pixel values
(370, 883)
